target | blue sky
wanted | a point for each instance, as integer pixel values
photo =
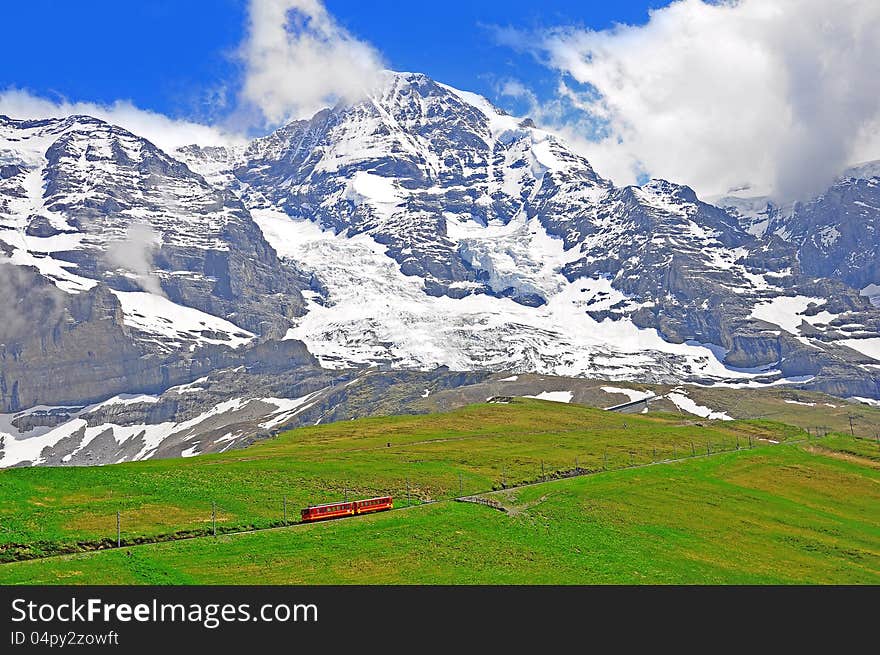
(174, 57)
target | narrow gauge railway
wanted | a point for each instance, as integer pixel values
(351, 508)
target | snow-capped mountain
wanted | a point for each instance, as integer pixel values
(121, 269)
(84, 201)
(426, 215)
(835, 233)
(417, 228)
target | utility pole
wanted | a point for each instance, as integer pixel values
(851, 430)
(543, 477)
(460, 487)
(503, 477)
(118, 530)
(407, 492)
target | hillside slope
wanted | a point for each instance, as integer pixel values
(419, 458)
(778, 515)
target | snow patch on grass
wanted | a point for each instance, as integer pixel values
(632, 394)
(685, 403)
(868, 401)
(555, 396)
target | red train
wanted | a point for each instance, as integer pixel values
(352, 508)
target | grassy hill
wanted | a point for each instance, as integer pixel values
(811, 410)
(796, 513)
(53, 510)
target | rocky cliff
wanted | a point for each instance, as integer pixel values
(418, 230)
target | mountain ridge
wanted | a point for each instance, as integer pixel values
(418, 228)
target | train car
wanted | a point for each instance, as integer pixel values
(329, 511)
(339, 510)
(378, 504)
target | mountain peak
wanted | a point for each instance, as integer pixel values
(419, 227)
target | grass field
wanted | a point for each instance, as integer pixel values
(46, 510)
(807, 409)
(797, 513)
(815, 411)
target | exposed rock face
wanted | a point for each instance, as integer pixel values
(136, 218)
(835, 234)
(228, 408)
(416, 229)
(442, 181)
(40, 226)
(97, 221)
(69, 360)
(75, 348)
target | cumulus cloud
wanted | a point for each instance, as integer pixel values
(569, 116)
(167, 133)
(298, 59)
(134, 253)
(775, 96)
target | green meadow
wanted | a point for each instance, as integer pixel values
(46, 510)
(791, 514)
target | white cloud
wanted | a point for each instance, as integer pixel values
(560, 115)
(779, 95)
(298, 59)
(167, 133)
(134, 253)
